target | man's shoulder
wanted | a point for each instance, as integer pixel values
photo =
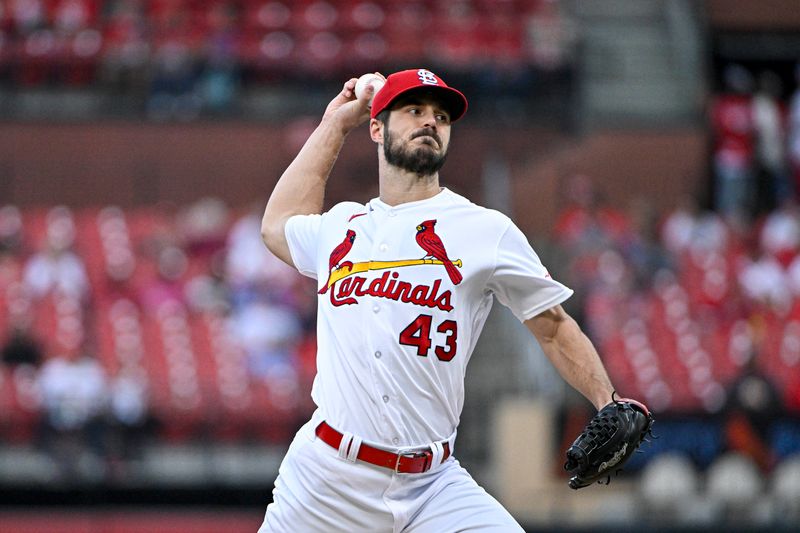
(486, 214)
(345, 210)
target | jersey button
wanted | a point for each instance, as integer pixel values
(378, 354)
(384, 247)
(376, 309)
(396, 440)
(392, 213)
(385, 399)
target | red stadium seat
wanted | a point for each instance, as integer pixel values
(21, 404)
(364, 51)
(362, 16)
(320, 52)
(317, 15)
(267, 16)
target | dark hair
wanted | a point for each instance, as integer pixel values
(383, 116)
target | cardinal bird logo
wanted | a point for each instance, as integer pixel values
(432, 244)
(338, 253)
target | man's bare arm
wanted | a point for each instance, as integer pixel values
(572, 353)
(301, 188)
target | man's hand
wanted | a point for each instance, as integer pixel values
(347, 111)
(301, 188)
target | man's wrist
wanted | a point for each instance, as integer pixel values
(602, 399)
(336, 124)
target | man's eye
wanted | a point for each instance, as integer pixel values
(442, 118)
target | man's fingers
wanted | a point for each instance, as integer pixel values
(349, 88)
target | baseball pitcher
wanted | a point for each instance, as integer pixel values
(405, 284)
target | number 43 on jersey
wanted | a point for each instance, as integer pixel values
(418, 334)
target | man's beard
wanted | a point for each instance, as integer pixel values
(421, 161)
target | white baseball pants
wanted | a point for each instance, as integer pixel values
(318, 491)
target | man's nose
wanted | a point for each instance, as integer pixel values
(428, 117)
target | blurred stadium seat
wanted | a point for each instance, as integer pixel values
(734, 482)
(64, 43)
(785, 490)
(669, 485)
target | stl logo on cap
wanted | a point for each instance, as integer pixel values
(427, 77)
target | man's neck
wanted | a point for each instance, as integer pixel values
(400, 187)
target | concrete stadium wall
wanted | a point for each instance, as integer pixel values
(143, 164)
(748, 15)
(660, 167)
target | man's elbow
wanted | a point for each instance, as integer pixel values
(270, 232)
(547, 325)
(273, 237)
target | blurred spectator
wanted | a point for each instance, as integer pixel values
(754, 403)
(678, 229)
(126, 49)
(584, 229)
(711, 234)
(74, 396)
(762, 279)
(587, 222)
(774, 186)
(251, 270)
(203, 226)
(11, 248)
(269, 334)
(21, 348)
(208, 292)
(220, 77)
(794, 132)
(456, 43)
(551, 35)
(56, 268)
(780, 234)
(734, 149)
(74, 391)
(641, 247)
(10, 230)
(266, 306)
(609, 298)
(129, 411)
(70, 16)
(128, 397)
(167, 286)
(174, 68)
(28, 15)
(793, 276)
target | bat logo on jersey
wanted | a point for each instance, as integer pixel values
(338, 253)
(432, 244)
(350, 285)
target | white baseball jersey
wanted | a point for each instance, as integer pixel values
(404, 293)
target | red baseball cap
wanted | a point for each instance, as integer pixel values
(406, 81)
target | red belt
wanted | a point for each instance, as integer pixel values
(403, 463)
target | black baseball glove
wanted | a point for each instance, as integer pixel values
(607, 442)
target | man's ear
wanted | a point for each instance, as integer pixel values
(376, 130)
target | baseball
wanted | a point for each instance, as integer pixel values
(368, 79)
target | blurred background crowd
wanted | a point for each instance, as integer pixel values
(153, 351)
(175, 59)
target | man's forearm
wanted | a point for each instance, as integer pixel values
(573, 355)
(301, 188)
